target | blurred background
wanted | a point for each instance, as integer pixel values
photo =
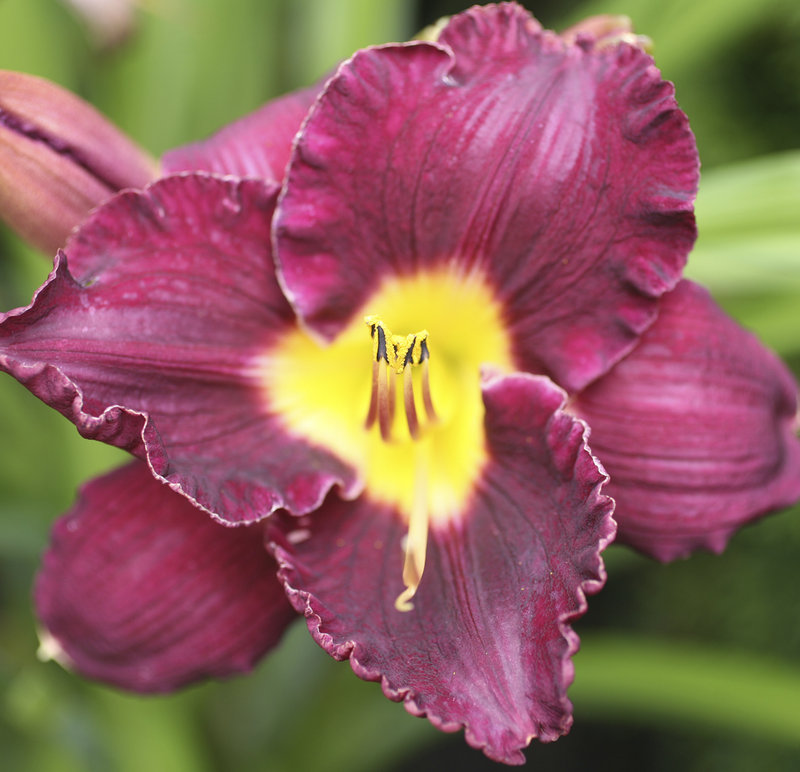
(693, 666)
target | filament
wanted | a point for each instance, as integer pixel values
(408, 403)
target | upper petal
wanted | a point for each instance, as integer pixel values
(141, 590)
(564, 173)
(487, 645)
(697, 428)
(156, 344)
(257, 145)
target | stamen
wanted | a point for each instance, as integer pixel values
(392, 381)
(408, 403)
(385, 406)
(426, 393)
(382, 397)
(416, 545)
(393, 355)
(372, 413)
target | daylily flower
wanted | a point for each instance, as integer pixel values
(478, 243)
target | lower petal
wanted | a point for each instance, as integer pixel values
(143, 591)
(697, 428)
(487, 645)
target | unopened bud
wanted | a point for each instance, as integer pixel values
(59, 158)
(606, 30)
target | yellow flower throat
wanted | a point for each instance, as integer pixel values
(419, 448)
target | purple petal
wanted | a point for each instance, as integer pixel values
(697, 428)
(563, 173)
(141, 590)
(158, 345)
(488, 643)
(257, 145)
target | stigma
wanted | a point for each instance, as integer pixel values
(395, 356)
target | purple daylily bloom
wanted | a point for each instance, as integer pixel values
(477, 247)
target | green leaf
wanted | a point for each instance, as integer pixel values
(298, 693)
(41, 37)
(151, 733)
(655, 681)
(328, 33)
(748, 217)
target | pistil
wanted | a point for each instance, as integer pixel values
(416, 545)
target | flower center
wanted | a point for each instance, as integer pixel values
(419, 449)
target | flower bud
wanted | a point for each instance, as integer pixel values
(606, 30)
(59, 158)
(108, 22)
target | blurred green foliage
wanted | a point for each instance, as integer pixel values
(693, 665)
